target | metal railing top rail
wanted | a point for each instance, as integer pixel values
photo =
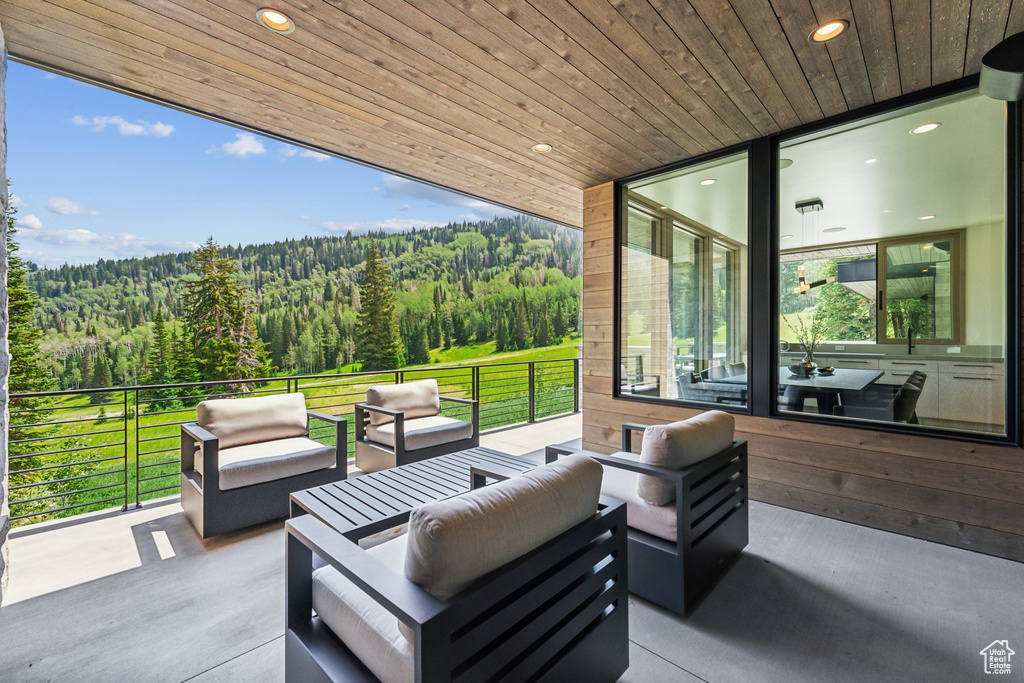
(278, 378)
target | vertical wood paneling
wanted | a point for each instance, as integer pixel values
(878, 42)
(957, 493)
(913, 43)
(949, 38)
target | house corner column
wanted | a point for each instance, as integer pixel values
(5, 355)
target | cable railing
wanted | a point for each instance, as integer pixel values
(83, 450)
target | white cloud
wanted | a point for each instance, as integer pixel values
(316, 156)
(29, 221)
(245, 144)
(403, 207)
(49, 76)
(288, 151)
(98, 124)
(304, 217)
(470, 217)
(67, 207)
(122, 245)
(388, 224)
(394, 186)
(16, 201)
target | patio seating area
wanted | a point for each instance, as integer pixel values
(115, 596)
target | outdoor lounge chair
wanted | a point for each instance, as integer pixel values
(522, 580)
(243, 457)
(681, 543)
(402, 423)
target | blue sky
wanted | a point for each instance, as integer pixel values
(96, 174)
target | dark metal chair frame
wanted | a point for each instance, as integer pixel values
(712, 522)
(212, 511)
(558, 613)
(371, 449)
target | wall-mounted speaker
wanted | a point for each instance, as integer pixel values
(1002, 70)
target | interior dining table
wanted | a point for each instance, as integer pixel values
(826, 388)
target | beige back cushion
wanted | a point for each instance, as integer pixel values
(415, 399)
(455, 541)
(241, 421)
(681, 444)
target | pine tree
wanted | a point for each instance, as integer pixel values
(159, 360)
(219, 319)
(30, 367)
(378, 343)
(501, 334)
(102, 378)
(328, 291)
(520, 331)
(559, 323)
(543, 334)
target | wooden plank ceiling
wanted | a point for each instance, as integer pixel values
(457, 92)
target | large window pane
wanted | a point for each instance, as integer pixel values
(683, 285)
(892, 268)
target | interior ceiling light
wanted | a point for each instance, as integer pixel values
(836, 229)
(828, 31)
(787, 237)
(542, 147)
(925, 128)
(928, 246)
(870, 161)
(663, 208)
(785, 163)
(276, 21)
(927, 217)
(708, 181)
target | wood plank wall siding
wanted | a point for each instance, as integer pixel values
(961, 494)
(457, 91)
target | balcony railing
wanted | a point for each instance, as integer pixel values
(89, 449)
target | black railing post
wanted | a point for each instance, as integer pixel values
(398, 377)
(138, 498)
(575, 385)
(401, 377)
(533, 394)
(476, 383)
(124, 447)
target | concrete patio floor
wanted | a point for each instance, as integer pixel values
(137, 596)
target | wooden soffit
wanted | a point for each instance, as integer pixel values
(456, 93)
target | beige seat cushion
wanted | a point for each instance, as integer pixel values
(423, 432)
(681, 444)
(657, 520)
(261, 462)
(455, 541)
(367, 629)
(240, 421)
(415, 399)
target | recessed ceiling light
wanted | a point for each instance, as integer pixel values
(276, 21)
(886, 211)
(542, 147)
(925, 128)
(836, 229)
(870, 161)
(785, 163)
(927, 217)
(928, 246)
(663, 208)
(787, 237)
(925, 270)
(708, 181)
(828, 31)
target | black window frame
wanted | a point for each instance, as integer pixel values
(763, 250)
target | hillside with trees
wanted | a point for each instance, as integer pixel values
(514, 282)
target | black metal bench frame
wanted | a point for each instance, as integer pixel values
(372, 454)
(213, 511)
(558, 613)
(712, 525)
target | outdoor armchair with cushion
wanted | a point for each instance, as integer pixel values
(522, 580)
(402, 423)
(686, 502)
(243, 457)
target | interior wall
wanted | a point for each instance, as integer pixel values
(961, 494)
(985, 294)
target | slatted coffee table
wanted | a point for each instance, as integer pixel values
(364, 501)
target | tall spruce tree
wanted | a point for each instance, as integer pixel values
(30, 367)
(219, 320)
(378, 342)
(159, 360)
